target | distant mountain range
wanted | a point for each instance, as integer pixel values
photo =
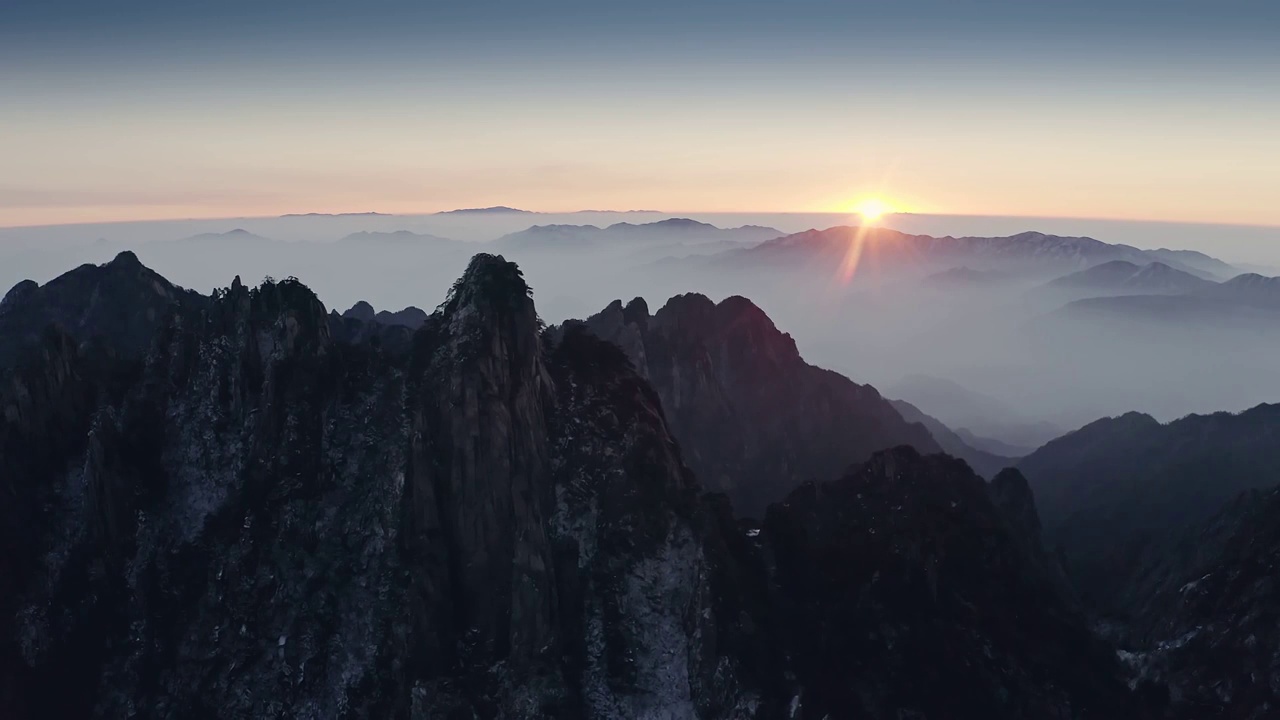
(578, 237)
(1244, 300)
(972, 414)
(1124, 277)
(984, 463)
(398, 237)
(495, 210)
(231, 238)
(964, 277)
(885, 250)
(343, 215)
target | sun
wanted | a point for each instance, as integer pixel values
(872, 208)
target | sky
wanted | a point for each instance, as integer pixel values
(1160, 110)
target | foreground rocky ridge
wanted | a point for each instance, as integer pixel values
(271, 513)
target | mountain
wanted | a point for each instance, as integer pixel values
(672, 230)
(910, 590)
(1204, 265)
(754, 419)
(971, 412)
(964, 277)
(355, 214)
(234, 239)
(495, 210)
(1249, 289)
(884, 250)
(410, 317)
(397, 238)
(984, 463)
(1122, 277)
(1114, 492)
(992, 446)
(121, 304)
(266, 521)
(261, 518)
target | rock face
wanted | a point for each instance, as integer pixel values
(261, 520)
(1203, 638)
(269, 514)
(754, 419)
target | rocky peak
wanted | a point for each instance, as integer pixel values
(122, 302)
(126, 259)
(17, 293)
(1012, 495)
(361, 311)
(753, 418)
(636, 313)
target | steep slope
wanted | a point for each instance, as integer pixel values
(122, 302)
(1205, 617)
(1116, 491)
(983, 463)
(755, 420)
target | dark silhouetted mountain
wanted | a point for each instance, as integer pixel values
(755, 420)
(121, 302)
(397, 238)
(1206, 614)
(410, 317)
(905, 592)
(267, 518)
(673, 230)
(968, 411)
(361, 311)
(1123, 277)
(885, 250)
(983, 463)
(1115, 492)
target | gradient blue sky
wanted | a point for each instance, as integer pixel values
(129, 110)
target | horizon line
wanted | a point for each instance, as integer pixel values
(672, 214)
